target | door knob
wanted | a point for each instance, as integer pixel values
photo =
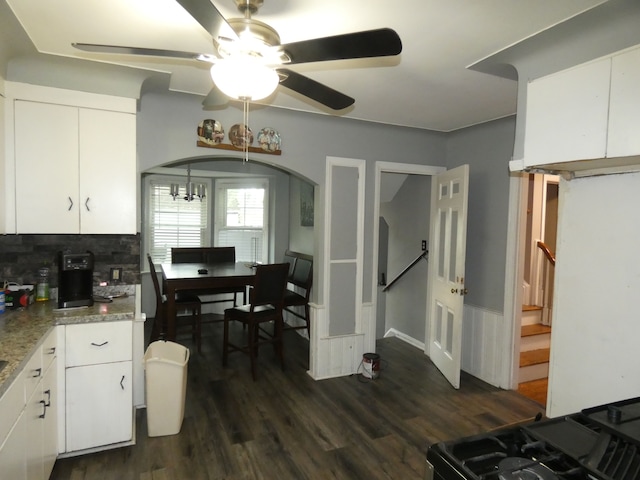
(454, 290)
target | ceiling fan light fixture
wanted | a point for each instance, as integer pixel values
(244, 78)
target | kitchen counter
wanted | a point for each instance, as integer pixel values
(22, 330)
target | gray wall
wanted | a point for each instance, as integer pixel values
(486, 148)
(167, 132)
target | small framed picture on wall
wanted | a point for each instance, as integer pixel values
(306, 204)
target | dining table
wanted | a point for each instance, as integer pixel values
(198, 277)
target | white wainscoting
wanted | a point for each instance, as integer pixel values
(336, 356)
(483, 343)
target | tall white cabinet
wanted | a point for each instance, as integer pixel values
(74, 162)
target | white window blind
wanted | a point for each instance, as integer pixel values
(174, 223)
(242, 216)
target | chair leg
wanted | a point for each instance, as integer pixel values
(278, 340)
(225, 341)
(253, 348)
(307, 319)
(199, 329)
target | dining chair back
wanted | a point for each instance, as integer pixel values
(203, 255)
(266, 304)
(296, 297)
(184, 301)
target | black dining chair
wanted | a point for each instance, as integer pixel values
(296, 297)
(266, 299)
(184, 301)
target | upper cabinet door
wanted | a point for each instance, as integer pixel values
(46, 155)
(107, 172)
(624, 110)
(567, 115)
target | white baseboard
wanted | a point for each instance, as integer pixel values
(392, 332)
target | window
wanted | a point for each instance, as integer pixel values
(174, 223)
(242, 217)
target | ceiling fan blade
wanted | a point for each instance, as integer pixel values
(154, 52)
(314, 90)
(215, 98)
(209, 17)
(382, 42)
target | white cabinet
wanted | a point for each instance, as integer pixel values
(567, 115)
(624, 109)
(99, 376)
(588, 112)
(30, 447)
(75, 169)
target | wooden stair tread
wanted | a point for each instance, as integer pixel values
(534, 357)
(534, 329)
(531, 308)
(535, 390)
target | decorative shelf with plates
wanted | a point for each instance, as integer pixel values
(211, 134)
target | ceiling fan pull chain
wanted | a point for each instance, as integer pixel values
(245, 133)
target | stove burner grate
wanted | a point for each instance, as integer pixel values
(518, 468)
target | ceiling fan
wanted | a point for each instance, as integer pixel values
(249, 51)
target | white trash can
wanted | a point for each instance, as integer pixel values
(165, 365)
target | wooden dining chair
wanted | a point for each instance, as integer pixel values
(184, 301)
(266, 303)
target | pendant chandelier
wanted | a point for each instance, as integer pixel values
(192, 190)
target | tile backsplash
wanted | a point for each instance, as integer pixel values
(22, 255)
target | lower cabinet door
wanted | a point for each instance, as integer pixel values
(35, 413)
(12, 453)
(99, 405)
(50, 421)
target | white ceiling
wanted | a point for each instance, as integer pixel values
(428, 86)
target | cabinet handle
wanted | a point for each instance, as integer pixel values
(48, 394)
(70, 204)
(52, 351)
(37, 372)
(122, 380)
(99, 344)
(86, 204)
(44, 409)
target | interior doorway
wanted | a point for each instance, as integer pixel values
(539, 220)
(402, 209)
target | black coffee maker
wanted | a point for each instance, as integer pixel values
(75, 279)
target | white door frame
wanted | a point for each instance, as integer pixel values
(380, 168)
(514, 273)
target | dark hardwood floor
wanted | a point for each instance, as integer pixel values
(285, 425)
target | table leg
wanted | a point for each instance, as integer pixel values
(171, 312)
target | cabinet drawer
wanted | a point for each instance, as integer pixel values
(33, 373)
(49, 349)
(94, 343)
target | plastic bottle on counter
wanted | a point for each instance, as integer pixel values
(42, 288)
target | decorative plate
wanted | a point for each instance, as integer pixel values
(269, 139)
(240, 135)
(210, 131)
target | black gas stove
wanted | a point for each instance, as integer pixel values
(598, 443)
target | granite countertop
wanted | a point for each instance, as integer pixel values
(22, 330)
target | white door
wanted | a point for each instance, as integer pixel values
(445, 288)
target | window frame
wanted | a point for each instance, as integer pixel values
(149, 214)
(221, 185)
